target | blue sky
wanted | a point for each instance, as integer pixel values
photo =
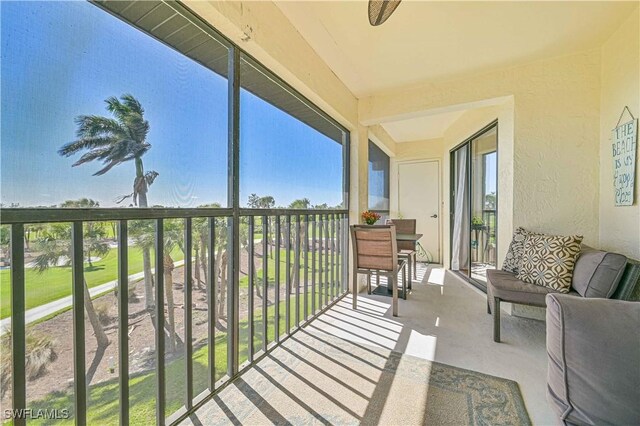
(63, 59)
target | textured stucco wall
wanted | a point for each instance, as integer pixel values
(556, 148)
(468, 124)
(383, 140)
(619, 226)
(419, 150)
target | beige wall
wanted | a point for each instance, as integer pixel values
(469, 123)
(553, 184)
(554, 166)
(619, 226)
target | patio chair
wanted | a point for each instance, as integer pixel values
(407, 249)
(376, 252)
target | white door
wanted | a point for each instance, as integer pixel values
(419, 198)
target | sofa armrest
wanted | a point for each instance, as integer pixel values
(593, 348)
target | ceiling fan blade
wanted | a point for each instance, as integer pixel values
(380, 10)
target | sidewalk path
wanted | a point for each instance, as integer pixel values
(42, 311)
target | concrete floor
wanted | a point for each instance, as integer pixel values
(445, 319)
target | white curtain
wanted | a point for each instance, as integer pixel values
(460, 249)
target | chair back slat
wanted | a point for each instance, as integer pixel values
(375, 247)
(404, 226)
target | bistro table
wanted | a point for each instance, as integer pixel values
(413, 238)
(408, 237)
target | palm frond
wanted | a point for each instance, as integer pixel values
(150, 176)
(96, 125)
(94, 154)
(52, 249)
(71, 148)
(132, 103)
(118, 109)
(105, 169)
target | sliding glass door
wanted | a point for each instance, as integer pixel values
(474, 196)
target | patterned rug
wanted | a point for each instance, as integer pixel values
(317, 378)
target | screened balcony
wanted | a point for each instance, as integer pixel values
(196, 270)
(132, 307)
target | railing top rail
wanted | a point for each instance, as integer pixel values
(40, 215)
(284, 212)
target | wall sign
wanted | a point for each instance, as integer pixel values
(624, 146)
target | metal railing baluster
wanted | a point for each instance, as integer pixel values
(287, 316)
(306, 266)
(320, 250)
(19, 390)
(233, 295)
(265, 279)
(277, 274)
(251, 330)
(297, 265)
(188, 298)
(313, 264)
(332, 247)
(80, 382)
(159, 311)
(345, 253)
(123, 320)
(338, 260)
(326, 259)
(212, 305)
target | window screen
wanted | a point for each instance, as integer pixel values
(378, 179)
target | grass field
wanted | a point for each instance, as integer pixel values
(103, 398)
(55, 282)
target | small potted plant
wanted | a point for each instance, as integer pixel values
(477, 224)
(370, 218)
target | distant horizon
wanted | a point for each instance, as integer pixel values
(56, 67)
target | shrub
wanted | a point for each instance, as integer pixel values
(40, 353)
(131, 293)
(102, 310)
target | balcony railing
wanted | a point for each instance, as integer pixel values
(273, 271)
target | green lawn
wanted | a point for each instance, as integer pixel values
(103, 398)
(55, 282)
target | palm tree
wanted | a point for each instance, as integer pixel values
(114, 141)
(94, 231)
(55, 246)
(304, 204)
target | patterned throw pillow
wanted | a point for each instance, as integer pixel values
(548, 260)
(514, 255)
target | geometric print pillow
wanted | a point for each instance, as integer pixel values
(514, 255)
(548, 260)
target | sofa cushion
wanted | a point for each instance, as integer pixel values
(629, 285)
(506, 286)
(597, 272)
(593, 352)
(549, 260)
(514, 254)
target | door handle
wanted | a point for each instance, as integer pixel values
(435, 216)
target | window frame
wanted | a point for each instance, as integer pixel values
(387, 183)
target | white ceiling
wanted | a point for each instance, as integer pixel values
(421, 128)
(425, 41)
